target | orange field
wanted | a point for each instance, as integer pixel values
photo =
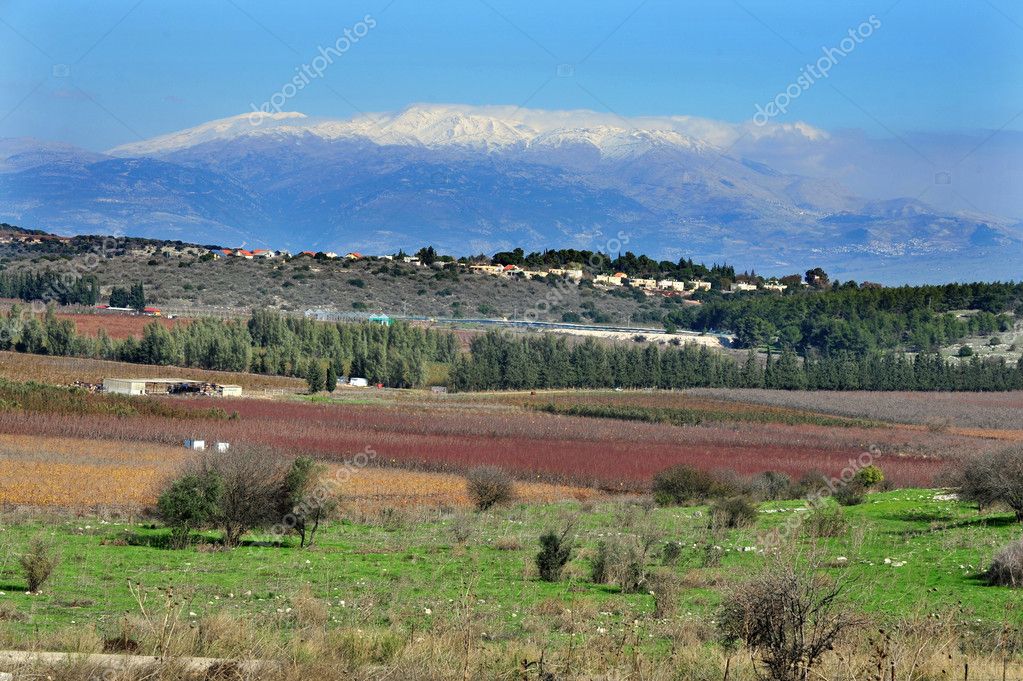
(81, 474)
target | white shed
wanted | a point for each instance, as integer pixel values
(124, 386)
(358, 382)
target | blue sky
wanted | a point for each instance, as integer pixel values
(101, 74)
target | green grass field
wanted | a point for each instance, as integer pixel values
(907, 554)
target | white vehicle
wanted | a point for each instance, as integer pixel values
(358, 382)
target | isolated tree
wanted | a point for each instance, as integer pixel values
(331, 382)
(817, 277)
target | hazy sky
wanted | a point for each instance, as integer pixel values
(102, 73)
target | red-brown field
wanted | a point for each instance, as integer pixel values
(117, 326)
(452, 435)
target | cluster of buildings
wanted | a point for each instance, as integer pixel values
(666, 285)
(258, 253)
(515, 270)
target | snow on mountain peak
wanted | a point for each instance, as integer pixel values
(486, 129)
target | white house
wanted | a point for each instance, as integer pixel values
(699, 285)
(573, 275)
(640, 282)
(737, 286)
(671, 285)
(609, 279)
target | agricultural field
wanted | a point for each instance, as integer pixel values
(452, 435)
(407, 579)
(116, 326)
(996, 411)
(16, 366)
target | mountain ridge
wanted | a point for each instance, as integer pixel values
(482, 179)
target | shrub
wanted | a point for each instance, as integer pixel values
(787, 617)
(826, 521)
(38, 563)
(488, 486)
(602, 566)
(993, 479)
(811, 482)
(732, 513)
(1007, 567)
(508, 544)
(869, 476)
(555, 552)
(965, 351)
(665, 586)
(189, 503)
(621, 562)
(462, 528)
(671, 553)
(851, 494)
(683, 484)
(771, 486)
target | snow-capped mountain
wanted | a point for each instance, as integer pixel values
(478, 179)
(432, 127)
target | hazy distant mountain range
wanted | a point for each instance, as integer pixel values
(478, 180)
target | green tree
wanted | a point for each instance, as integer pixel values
(314, 376)
(189, 503)
(331, 381)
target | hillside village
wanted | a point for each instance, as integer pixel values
(743, 283)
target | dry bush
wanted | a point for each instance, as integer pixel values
(992, 479)
(789, 616)
(508, 544)
(488, 486)
(463, 526)
(307, 609)
(1007, 567)
(666, 587)
(671, 553)
(10, 613)
(771, 486)
(38, 562)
